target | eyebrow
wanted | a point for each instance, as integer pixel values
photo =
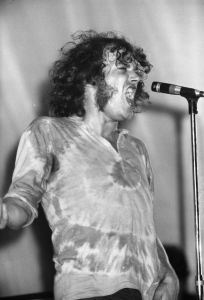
(126, 64)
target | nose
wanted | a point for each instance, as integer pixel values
(134, 77)
(137, 75)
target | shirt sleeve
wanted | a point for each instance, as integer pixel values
(32, 167)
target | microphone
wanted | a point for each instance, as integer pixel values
(173, 89)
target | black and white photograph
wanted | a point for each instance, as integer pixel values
(101, 149)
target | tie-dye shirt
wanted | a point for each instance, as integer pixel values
(98, 199)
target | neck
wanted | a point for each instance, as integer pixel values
(96, 120)
(100, 124)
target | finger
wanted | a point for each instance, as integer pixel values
(3, 216)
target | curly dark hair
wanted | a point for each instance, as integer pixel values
(81, 63)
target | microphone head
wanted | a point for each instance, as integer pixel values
(155, 86)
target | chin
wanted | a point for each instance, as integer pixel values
(138, 109)
(128, 116)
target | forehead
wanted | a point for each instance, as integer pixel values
(114, 56)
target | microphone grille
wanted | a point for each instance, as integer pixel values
(156, 86)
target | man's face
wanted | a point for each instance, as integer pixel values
(123, 75)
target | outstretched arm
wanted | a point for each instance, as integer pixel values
(168, 287)
(13, 214)
(29, 181)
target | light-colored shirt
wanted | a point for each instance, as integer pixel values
(98, 199)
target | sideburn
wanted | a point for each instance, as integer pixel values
(103, 94)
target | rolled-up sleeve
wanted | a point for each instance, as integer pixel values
(32, 167)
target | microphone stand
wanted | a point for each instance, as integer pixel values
(192, 101)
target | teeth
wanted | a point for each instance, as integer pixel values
(130, 93)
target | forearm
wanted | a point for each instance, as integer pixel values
(164, 261)
(13, 214)
(168, 287)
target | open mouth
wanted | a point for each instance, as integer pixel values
(132, 96)
(130, 93)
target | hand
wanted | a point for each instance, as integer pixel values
(3, 214)
(168, 287)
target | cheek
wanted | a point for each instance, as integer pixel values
(115, 79)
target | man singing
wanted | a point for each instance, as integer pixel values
(94, 180)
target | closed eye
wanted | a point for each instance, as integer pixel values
(122, 68)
